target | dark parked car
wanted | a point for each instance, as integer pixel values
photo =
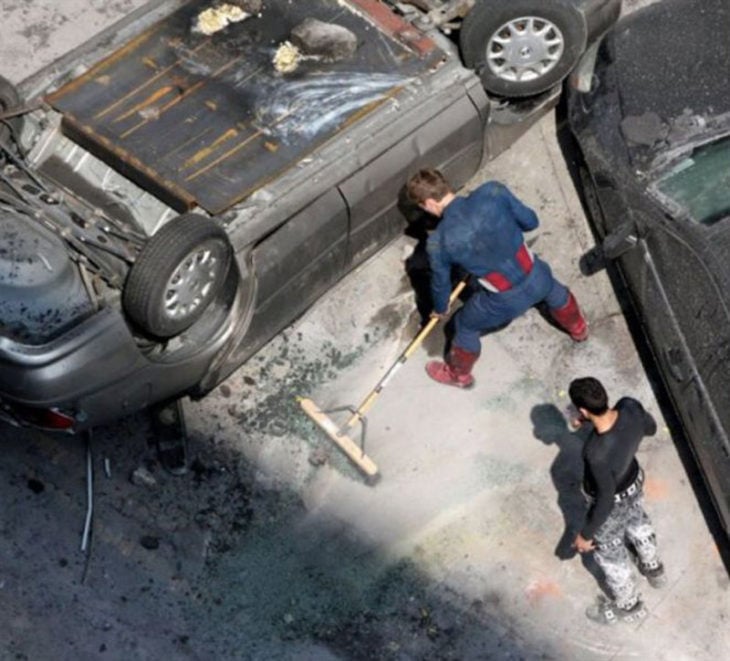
(654, 138)
(171, 200)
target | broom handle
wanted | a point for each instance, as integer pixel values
(414, 344)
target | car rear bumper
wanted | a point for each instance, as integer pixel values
(95, 373)
(91, 358)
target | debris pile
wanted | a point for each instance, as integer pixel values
(287, 58)
(214, 19)
(328, 41)
(314, 40)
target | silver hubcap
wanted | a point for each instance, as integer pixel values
(190, 284)
(525, 49)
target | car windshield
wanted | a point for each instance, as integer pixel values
(699, 183)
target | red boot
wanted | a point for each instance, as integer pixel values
(570, 319)
(456, 371)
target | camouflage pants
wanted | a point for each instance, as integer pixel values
(628, 523)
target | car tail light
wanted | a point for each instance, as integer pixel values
(54, 419)
(45, 418)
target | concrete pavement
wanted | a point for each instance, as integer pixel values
(479, 486)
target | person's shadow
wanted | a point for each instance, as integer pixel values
(566, 471)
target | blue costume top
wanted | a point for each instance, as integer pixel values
(481, 232)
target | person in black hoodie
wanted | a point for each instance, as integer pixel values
(616, 522)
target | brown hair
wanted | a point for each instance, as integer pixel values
(427, 183)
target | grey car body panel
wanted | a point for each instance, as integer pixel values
(40, 289)
(598, 16)
(102, 368)
(629, 129)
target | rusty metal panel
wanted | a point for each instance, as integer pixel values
(206, 120)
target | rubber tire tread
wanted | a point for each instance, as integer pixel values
(488, 15)
(144, 289)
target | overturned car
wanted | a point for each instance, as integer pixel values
(177, 190)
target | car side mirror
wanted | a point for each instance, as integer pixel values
(592, 262)
(621, 240)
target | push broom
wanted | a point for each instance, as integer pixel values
(355, 452)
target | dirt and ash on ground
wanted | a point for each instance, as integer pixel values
(221, 562)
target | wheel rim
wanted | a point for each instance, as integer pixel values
(189, 287)
(525, 49)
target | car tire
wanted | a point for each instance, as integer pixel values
(177, 274)
(522, 47)
(9, 98)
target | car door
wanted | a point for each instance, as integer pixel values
(687, 319)
(696, 361)
(295, 265)
(451, 140)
